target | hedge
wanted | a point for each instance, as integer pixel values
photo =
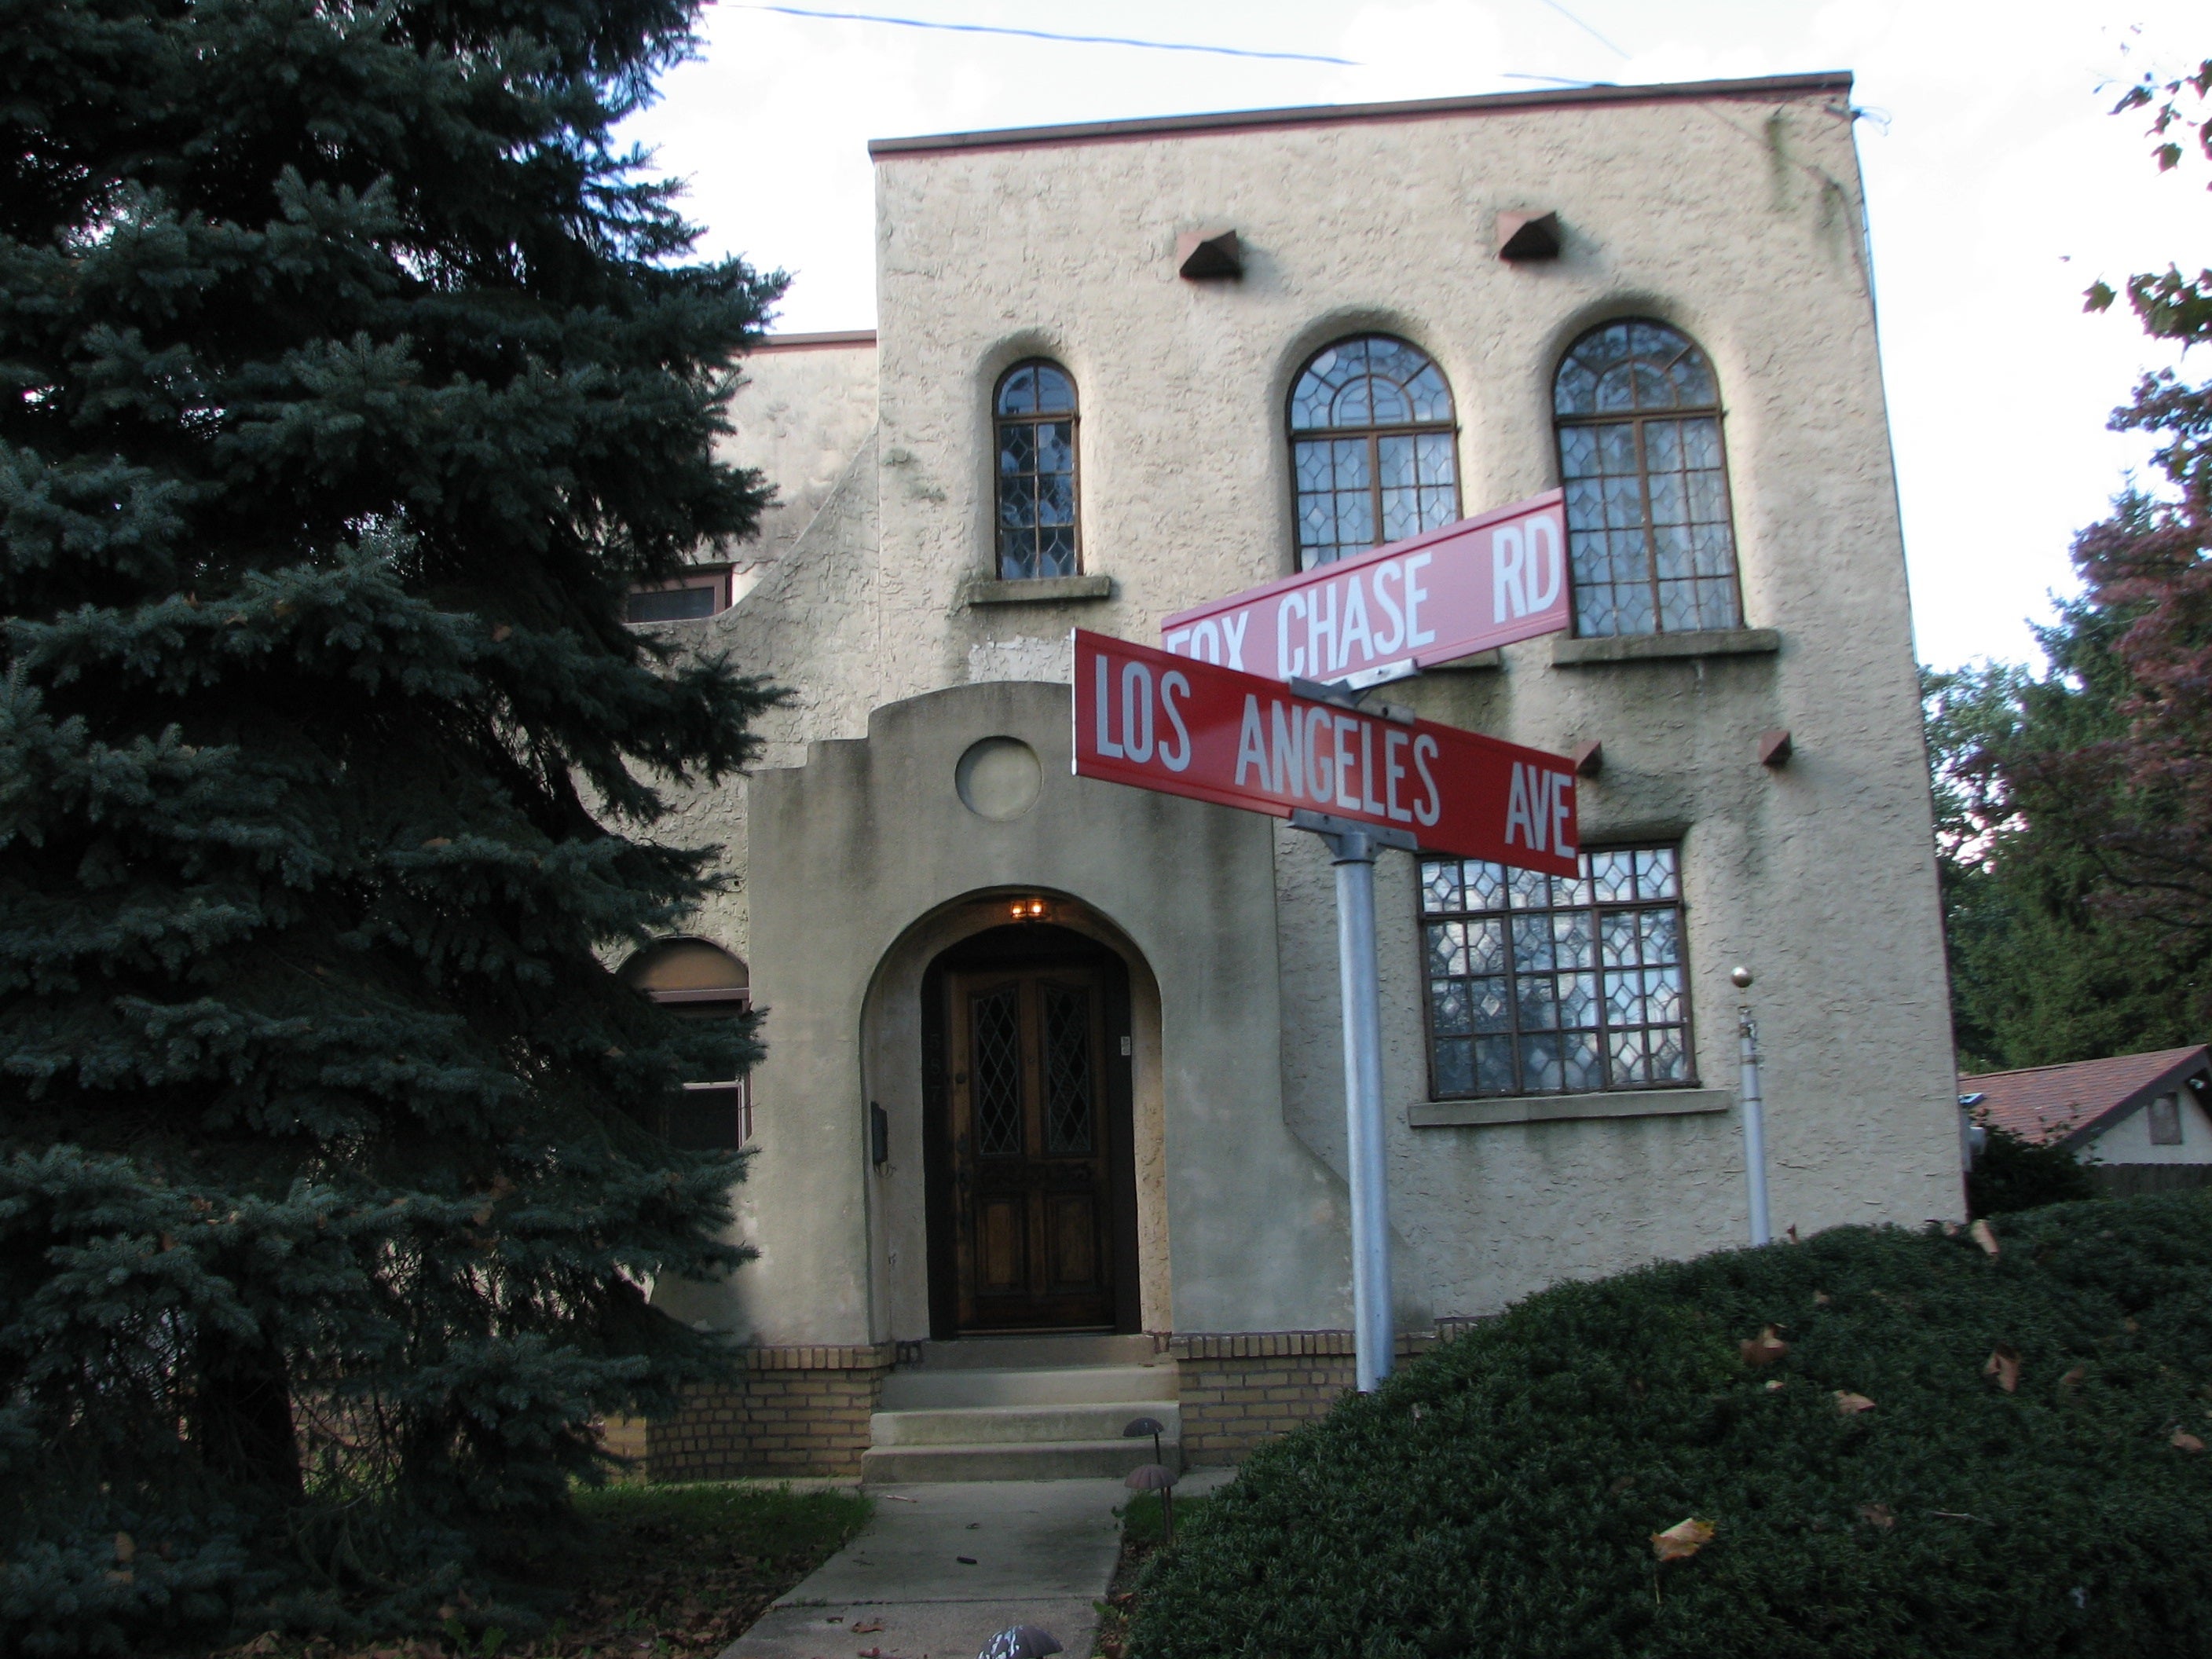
(1872, 1485)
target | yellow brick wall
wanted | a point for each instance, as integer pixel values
(797, 1411)
(1241, 1389)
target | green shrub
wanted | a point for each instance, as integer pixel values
(2010, 1175)
(1499, 1497)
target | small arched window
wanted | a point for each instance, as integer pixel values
(1639, 426)
(698, 980)
(1035, 419)
(1372, 448)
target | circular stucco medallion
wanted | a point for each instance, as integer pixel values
(999, 778)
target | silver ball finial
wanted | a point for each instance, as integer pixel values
(1741, 978)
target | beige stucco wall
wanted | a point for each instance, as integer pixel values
(800, 414)
(1735, 219)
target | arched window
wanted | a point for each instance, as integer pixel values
(1639, 425)
(1035, 414)
(698, 980)
(1372, 441)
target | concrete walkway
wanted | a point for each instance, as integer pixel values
(943, 1568)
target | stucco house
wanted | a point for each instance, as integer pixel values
(1051, 1134)
(2137, 1121)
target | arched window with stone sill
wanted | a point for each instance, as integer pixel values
(1649, 528)
(1033, 420)
(1373, 447)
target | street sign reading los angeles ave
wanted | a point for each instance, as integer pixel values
(1486, 581)
(1183, 726)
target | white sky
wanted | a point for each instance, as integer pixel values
(1998, 190)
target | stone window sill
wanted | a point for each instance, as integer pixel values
(1036, 590)
(1652, 648)
(1556, 1108)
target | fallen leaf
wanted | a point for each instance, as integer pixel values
(1877, 1515)
(2133, 1326)
(1775, 1386)
(500, 633)
(2068, 1383)
(1763, 1349)
(1622, 1484)
(438, 840)
(1851, 1405)
(121, 1576)
(1981, 1232)
(2182, 1440)
(1821, 1299)
(1681, 1540)
(124, 1548)
(2004, 1365)
(867, 1626)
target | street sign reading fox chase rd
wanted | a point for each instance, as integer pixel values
(1183, 726)
(1493, 580)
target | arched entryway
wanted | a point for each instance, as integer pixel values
(1030, 1163)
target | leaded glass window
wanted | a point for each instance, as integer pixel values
(1034, 428)
(1373, 443)
(1554, 985)
(1648, 525)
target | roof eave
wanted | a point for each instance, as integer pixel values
(1426, 109)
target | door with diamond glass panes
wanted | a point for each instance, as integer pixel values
(1029, 1149)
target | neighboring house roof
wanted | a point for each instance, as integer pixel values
(2065, 1105)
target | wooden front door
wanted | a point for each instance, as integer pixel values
(1031, 1189)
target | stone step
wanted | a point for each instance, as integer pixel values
(1023, 1424)
(1056, 1460)
(1052, 1350)
(921, 1388)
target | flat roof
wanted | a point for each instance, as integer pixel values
(839, 340)
(1324, 115)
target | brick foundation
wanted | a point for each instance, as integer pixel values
(799, 1411)
(1240, 1390)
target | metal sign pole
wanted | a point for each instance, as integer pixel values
(1754, 1113)
(1357, 973)
(1352, 847)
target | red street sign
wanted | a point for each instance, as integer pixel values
(1444, 594)
(1185, 728)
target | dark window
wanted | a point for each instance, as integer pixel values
(705, 594)
(695, 980)
(1372, 448)
(1034, 416)
(1646, 477)
(2166, 1121)
(1550, 985)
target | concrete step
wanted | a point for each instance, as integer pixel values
(1023, 1424)
(921, 1388)
(1055, 1460)
(1052, 1350)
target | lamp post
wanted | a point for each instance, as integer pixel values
(1754, 1112)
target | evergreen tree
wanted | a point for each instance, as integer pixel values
(353, 374)
(2044, 969)
(2074, 811)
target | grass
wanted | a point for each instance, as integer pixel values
(657, 1572)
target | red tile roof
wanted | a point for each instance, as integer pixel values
(2066, 1104)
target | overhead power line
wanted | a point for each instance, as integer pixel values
(1584, 27)
(1047, 35)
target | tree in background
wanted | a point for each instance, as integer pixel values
(352, 376)
(2074, 811)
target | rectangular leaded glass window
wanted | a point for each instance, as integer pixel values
(1648, 526)
(1545, 984)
